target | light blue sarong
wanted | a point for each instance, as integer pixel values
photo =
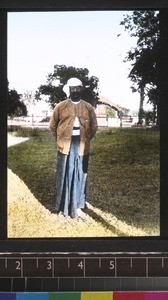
(71, 180)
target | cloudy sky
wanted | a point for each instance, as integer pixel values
(39, 40)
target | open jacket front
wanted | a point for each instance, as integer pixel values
(62, 121)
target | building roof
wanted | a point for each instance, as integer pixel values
(106, 101)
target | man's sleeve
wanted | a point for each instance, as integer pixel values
(94, 125)
(54, 122)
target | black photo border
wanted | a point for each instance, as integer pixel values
(85, 245)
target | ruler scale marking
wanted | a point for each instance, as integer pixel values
(81, 266)
(162, 262)
(84, 274)
(99, 262)
(147, 267)
(52, 267)
(21, 267)
(131, 262)
(6, 263)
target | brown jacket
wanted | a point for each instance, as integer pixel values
(62, 120)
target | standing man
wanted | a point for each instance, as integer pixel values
(73, 124)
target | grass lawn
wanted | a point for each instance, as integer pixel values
(123, 177)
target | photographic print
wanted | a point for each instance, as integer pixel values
(83, 124)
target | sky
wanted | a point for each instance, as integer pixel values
(39, 40)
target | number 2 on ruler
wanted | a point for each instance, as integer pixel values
(18, 265)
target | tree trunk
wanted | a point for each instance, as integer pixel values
(142, 97)
(154, 113)
(158, 115)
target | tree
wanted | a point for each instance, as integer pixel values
(56, 80)
(15, 106)
(110, 112)
(145, 57)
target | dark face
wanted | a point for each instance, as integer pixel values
(75, 93)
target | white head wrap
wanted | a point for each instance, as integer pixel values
(71, 82)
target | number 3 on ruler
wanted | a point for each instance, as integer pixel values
(49, 265)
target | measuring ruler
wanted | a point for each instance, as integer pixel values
(46, 265)
(62, 272)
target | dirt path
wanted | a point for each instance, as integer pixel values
(28, 218)
(13, 140)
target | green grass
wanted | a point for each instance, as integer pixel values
(34, 161)
(123, 175)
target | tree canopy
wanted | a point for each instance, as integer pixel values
(53, 88)
(145, 56)
(15, 106)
